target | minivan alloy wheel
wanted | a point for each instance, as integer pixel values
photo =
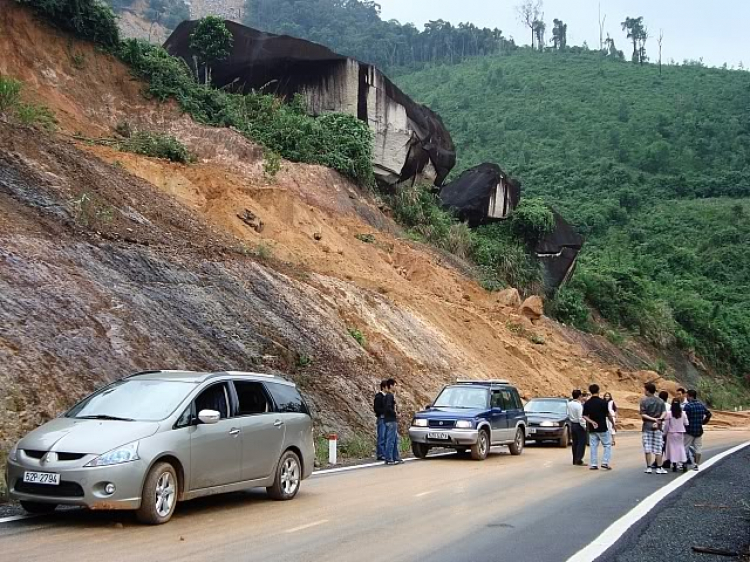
(290, 476)
(165, 494)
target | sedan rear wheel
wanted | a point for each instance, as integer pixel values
(481, 449)
(159, 495)
(288, 478)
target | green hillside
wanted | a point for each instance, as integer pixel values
(653, 169)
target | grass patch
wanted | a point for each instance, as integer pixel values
(357, 334)
(10, 94)
(157, 145)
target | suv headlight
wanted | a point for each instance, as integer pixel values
(14, 453)
(550, 424)
(464, 424)
(126, 453)
(420, 422)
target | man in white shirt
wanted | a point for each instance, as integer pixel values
(578, 427)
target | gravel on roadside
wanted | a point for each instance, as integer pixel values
(712, 510)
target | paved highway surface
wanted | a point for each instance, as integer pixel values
(532, 508)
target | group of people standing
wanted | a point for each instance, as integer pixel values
(672, 432)
(386, 414)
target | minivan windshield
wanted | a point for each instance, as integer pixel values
(133, 400)
(462, 397)
(547, 407)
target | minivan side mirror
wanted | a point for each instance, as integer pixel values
(428, 407)
(209, 417)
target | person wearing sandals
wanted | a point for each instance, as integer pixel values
(652, 411)
(675, 426)
(612, 419)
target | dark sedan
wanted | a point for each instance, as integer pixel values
(548, 420)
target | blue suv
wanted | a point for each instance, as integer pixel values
(471, 415)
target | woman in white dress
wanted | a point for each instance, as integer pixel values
(612, 407)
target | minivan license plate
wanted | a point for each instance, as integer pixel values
(438, 435)
(48, 478)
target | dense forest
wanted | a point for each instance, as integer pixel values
(652, 166)
(354, 28)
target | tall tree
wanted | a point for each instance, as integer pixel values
(212, 42)
(530, 12)
(602, 21)
(638, 34)
(539, 29)
(661, 42)
(560, 35)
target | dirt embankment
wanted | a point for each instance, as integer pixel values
(112, 262)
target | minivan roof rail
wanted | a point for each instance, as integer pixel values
(482, 381)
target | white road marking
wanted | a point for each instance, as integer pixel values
(308, 526)
(615, 531)
(16, 518)
(371, 465)
(423, 494)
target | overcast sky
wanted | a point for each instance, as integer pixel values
(716, 30)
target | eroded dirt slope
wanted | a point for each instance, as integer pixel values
(112, 262)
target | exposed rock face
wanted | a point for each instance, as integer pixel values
(485, 194)
(482, 194)
(411, 140)
(532, 308)
(559, 251)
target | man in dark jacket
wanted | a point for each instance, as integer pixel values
(390, 416)
(379, 409)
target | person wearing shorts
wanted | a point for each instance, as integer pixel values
(698, 416)
(652, 411)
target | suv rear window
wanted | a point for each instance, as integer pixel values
(288, 399)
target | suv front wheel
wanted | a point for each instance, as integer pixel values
(516, 448)
(481, 449)
(420, 450)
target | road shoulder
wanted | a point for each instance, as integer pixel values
(710, 511)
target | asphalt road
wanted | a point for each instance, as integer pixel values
(535, 508)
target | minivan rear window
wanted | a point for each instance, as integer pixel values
(288, 399)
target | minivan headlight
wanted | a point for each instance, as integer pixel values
(464, 424)
(420, 423)
(549, 424)
(121, 455)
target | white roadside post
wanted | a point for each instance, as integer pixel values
(333, 440)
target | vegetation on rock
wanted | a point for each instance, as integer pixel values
(654, 169)
(88, 19)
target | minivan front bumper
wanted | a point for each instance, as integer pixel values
(79, 485)
(456, 437)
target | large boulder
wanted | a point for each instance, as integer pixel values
(532, 308)
(411, 141)
(509, 298)
(482, 194)
(558, 252)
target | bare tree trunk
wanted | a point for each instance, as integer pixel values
(661, 40)
(601, 27)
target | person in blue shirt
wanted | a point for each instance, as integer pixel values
(698, 416)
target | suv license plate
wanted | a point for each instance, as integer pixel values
(48, 478)
(438, 435)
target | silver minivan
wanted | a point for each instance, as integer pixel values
(158, 437)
